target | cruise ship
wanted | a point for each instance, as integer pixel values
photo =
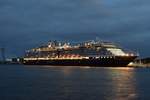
(88, 53)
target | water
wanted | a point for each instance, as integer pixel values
(19, 82)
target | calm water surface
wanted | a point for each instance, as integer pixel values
(19, 82)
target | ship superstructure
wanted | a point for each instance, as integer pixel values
(90, 53)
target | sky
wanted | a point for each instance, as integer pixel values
(26, 24)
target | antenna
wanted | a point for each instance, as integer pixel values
(97, 38)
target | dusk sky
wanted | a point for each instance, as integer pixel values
(26, 24)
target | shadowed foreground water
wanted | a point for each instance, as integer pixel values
(19, 82)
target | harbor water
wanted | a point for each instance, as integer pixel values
(20, 82)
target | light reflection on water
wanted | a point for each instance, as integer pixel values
(124, 84)
(68, 83)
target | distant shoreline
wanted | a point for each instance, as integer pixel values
(9, 63)
(141, 65)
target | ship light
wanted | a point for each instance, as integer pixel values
(86, 57)
(97, 57)
(123, 55)
(49, 46)
(127, 54)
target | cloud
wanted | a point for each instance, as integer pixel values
(26, 23)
